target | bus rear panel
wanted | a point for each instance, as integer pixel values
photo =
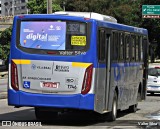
(51, 64)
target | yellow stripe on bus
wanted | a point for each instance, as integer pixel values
(83, 65)
(16, 61)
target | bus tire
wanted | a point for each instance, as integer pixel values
(45, 115)
(113, 114)
(133, 108)
(139, 97)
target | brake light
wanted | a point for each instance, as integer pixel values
(87, 80)
(14, 76)
(157, 67)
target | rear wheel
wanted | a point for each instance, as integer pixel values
(113, 114)
(45, 115)
(133, 108)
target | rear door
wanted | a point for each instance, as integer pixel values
(108, 68)
(103, 71)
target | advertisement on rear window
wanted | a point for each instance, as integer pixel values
(43, 35)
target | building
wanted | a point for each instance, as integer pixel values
(0, 8)
(13, 7)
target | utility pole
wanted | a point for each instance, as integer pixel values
(64, 4)
(49, 6)
(13, 7)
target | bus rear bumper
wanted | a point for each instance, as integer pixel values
(76, 101)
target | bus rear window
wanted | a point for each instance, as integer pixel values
(53, 35)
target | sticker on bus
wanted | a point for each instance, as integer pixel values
(48, 35)
(78, 40)
(26, 84)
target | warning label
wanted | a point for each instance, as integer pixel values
(78, 40)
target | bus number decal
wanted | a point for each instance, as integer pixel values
(78, 40)
(72, 87)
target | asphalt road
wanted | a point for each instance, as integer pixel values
(147, 113)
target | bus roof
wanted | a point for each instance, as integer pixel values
(91, 15)
(104, 18)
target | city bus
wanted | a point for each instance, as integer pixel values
(73, 61)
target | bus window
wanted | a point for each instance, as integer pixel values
(121, 46)
(137, 47)
(102, 45)
(141, 50)
(53, 35)
(127, 42)
(115, 46)
(133, 47)
(76, 36)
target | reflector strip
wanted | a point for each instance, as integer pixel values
(16, 61)
(83, 65)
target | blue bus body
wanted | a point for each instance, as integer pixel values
(80, 76)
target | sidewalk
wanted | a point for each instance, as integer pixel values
(3, 95)
(3, 84)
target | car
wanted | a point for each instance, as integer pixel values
(153, 83)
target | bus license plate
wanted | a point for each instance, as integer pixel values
(51, 84)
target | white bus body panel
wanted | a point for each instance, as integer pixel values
(37, 76)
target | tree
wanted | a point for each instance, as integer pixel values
(125, 11)
(98, 6)
(40, 6)
(5, 38)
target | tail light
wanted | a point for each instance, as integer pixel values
(87, 80)
(14, 76)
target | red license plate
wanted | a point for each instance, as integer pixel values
(51, 84)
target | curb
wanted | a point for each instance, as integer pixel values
(3, 95)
